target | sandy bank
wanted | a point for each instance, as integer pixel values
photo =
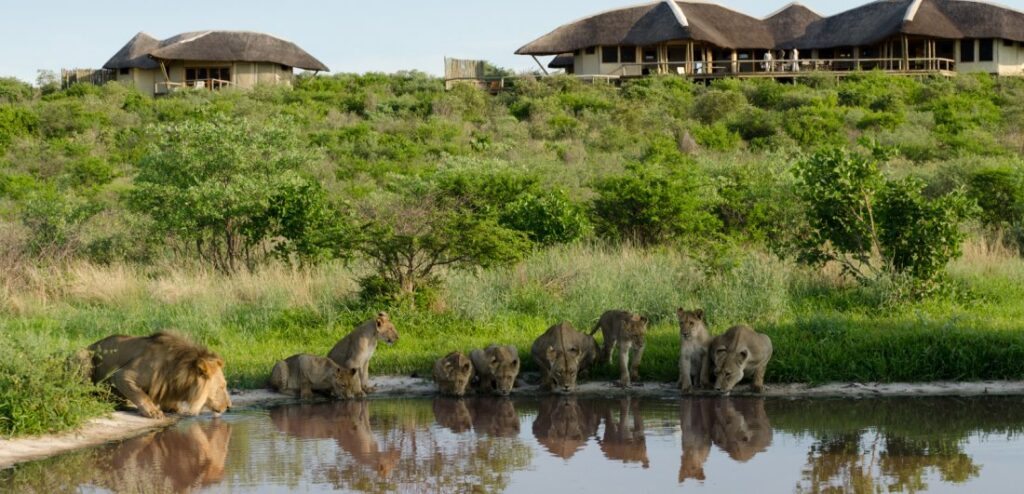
(124, 425)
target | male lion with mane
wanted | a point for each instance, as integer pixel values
(159, 372)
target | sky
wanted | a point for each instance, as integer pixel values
(347, 35)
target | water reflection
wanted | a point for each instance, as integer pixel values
(624, 438)
(485, 415)
(564, 424)
(348, 423)
(483, 444)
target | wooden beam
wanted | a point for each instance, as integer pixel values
(542, 67)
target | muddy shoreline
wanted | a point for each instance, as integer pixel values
(124, 425)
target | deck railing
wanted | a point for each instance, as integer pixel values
(779, 68)
(208, 84)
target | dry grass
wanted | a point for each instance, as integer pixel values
(38, 290)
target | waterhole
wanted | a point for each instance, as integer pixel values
(565, 444)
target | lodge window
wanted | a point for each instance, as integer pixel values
(628, 54)
(125, 71)
(967, 50)
(208, 77)
(1007, 42)
(986, 50)
(591, 50)
(609, 54)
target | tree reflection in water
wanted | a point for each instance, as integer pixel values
(895, 445)
(476, 444)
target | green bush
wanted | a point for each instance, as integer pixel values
(816, 126)
(547, 219)
(225, 188)
(661, 198)
(14, 122)
(857, 216)
(14, 91)
(715, 104)
(40, 393)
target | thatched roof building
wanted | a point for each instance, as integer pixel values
(209, 59)
(921, 28)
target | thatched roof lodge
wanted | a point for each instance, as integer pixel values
(210, 60)
(702, 39)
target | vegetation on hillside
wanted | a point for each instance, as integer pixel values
(831, 214)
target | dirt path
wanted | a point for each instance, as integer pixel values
(124, 425)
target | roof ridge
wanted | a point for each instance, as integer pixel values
(678, 12)
(787, 7)
(912, 10)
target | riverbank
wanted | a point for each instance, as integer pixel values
(124, 425)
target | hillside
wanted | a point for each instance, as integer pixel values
(271, 222)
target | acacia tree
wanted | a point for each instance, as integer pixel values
(410, 238)
(232, 192)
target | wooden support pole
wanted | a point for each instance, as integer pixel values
(906, 53)
(542, 67)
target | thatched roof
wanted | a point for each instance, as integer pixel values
(966, 19)
(135, 54)
(143, 51)
(793, 26)
(864, 25)
(654, 23)
(791, 23)
(563, 61)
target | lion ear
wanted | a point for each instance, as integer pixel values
(465, 367)
(680, 312)
(699, 313)
(353, 371)
(208, 366)
(552, 353)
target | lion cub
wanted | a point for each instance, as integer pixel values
(496, 368)
(453, 373)
(303, 374)
(355, 350)
(693, 344)
(626, 331)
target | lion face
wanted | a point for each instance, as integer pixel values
(346, 384)
(211, 388)
(385, 330)
(457, 370)
(729, 368)
(504, 368)
(690, 323)
(636, 329)
(564, 368)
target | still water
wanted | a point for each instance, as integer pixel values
(566, 444)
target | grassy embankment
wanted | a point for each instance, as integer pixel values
(823, 328)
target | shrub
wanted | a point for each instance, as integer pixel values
(869, 225)
(816, 126)
(661, 198)
(229, 189)
(40, 393)
(547, 219)
(14, 91)
(716, 137)
(715, 104)
(918, 235)
(14, 122)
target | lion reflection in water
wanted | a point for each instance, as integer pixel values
(624, 437)
(738, 426)
(564, 424)
(181, 459)
(486, 415)
(348, 423)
